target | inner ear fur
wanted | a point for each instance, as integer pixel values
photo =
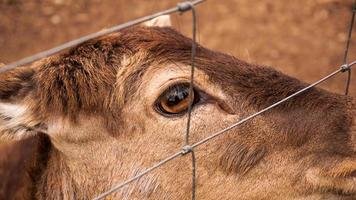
(336, 175)
(16, 117)
(16, 84)
(161, 21)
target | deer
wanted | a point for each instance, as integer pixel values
(74, 124)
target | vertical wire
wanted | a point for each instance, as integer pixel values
(193, 175)
(347, 49)
(191, 96)
(191, 92)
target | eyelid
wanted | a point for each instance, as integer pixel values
(171, 83)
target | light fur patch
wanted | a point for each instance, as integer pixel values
(319, 181)
(144, 187)
(129, 65)
(161, 21)
(16, 122)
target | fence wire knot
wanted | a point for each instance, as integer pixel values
(185, 6)
(345, 67)
(187, 149)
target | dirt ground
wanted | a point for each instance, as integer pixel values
(304, 38)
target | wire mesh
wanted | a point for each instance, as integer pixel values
(187, 148)
(348, 80)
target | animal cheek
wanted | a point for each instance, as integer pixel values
(209, 118)
(240, 158)
(63, 131)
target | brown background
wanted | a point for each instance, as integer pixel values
(302, 38)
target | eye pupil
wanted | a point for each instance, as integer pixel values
(176, 95)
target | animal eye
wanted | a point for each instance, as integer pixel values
(175, 100)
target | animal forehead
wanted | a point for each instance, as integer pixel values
(166, 44)
(138, 70)
(160, 77)
(138, 46)
(166, 48)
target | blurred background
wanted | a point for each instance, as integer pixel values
(304, 38)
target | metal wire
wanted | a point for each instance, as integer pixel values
(191, 92)
(85, 38)
(194, 176)
(271, 106)
(191, 95)
(348, 80)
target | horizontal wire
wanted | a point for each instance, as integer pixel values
(184, 152)
(341, 68)
(85, 38)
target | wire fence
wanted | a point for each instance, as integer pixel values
(187, 147)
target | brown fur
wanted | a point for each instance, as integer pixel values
(307, 143)
(21, 164)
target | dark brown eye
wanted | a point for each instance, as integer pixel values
(175, 100)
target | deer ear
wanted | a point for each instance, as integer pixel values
(337, 176)
(17, 120)
(161, 21)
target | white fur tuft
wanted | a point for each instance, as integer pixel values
(16, 122)
(161, 21)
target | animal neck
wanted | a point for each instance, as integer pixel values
(24, 161)
(73, 173)
(81, 163)
(56, 180)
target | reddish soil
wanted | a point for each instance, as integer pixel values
(304, 38)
